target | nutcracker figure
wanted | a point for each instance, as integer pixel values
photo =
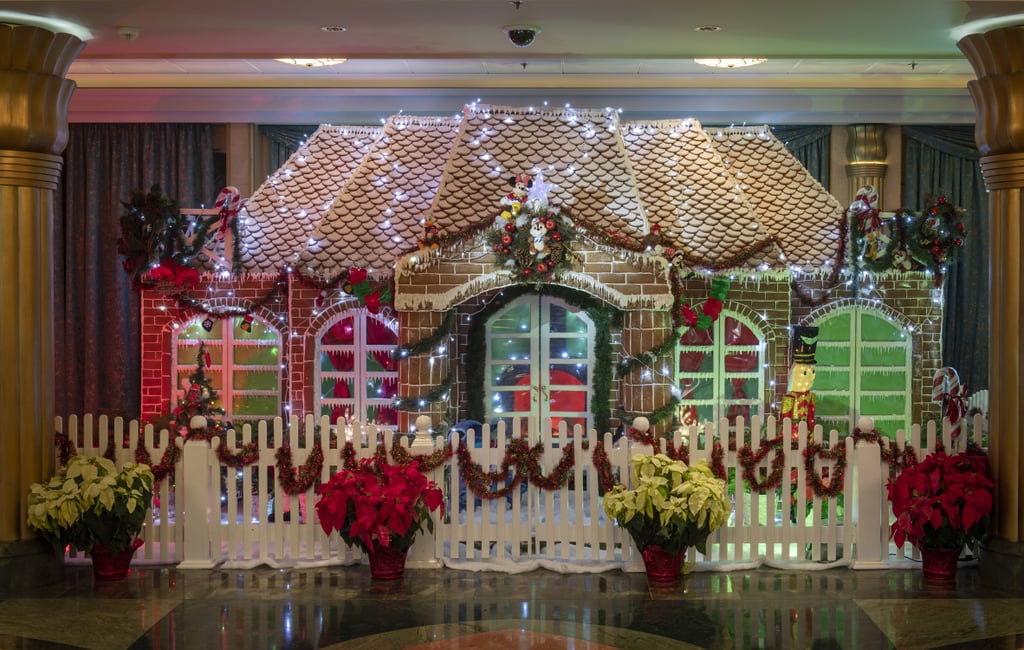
(798, 402)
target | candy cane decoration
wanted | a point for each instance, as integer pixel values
(943, 382)
(228, 204)
(947, 390)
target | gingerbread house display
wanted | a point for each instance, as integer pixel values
(547, 267)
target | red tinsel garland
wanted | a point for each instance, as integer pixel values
(750, 460)
(526, 461)
(644, 438)
(605, 475)
(247, 455)
(897, 459)
(427, 462)
(683, 453)
(835, 483)
(172, 454)
(296, 482)
(477, 480)
(718, 461)
(559, 476)
(65, 447)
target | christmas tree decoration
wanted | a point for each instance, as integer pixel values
(200, 400)
(208, 323)
(246, 324)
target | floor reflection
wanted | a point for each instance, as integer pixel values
(341, 607)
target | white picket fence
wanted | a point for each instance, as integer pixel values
(219, 516)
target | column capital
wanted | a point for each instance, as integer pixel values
(866, 145)
(33, 65)
(998, 61)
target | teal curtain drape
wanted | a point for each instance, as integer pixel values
(284, 139)
(97, 331)
(943, 160)
(811, 145)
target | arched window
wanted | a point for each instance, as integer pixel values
(245, 365)
(721, 371)
(357, 378)
(864, 365)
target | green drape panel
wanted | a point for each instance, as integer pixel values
(97, 331)
(811, 145)
(943, 160)
(284, 139)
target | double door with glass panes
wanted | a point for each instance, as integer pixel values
(538, 367)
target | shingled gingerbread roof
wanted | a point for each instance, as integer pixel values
(278, 219)
(724, 198)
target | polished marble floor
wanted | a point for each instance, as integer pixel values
(341, 607)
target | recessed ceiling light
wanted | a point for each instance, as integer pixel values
(312, 63)
(334, 28)
(707, 28)
(729, 63)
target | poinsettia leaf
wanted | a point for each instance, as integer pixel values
(971, 516)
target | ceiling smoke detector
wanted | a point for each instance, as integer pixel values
(521, 35)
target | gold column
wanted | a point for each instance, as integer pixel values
(866, 153)
(998, 94)
(33, 132)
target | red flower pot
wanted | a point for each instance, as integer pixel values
(662, 566)
(387, 562)
(109, 567)
(939, 564)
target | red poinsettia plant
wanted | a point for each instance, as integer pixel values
(942, 502)
(377, 504)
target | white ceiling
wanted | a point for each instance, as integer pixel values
(891, 61)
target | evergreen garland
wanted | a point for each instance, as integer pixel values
(665, 412)
(649, 358)
(416, 403)
(604, 316)
(428, 343)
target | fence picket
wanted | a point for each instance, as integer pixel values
(564, 525)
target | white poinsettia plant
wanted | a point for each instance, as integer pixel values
(671, 504)
(90, 502)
